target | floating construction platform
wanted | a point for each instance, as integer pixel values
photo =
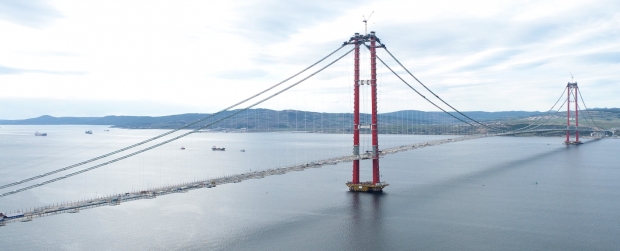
(367, 186)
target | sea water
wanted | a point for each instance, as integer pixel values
(497, 193)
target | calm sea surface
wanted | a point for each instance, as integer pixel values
(500, 193)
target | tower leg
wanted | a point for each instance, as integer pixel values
(373, 98)
(576, 116)
(567, 114)
(356, 112)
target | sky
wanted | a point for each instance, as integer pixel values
(154, 58)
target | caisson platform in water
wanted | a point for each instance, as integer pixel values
(367, 187)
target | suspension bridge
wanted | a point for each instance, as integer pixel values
(453, 125)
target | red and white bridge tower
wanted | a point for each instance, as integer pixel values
(375, 185)
(571, 91)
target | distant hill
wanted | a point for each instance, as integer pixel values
(116, 121)
(256, 118)
(477, 115)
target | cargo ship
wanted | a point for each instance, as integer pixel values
(40, 134)
(214, 148)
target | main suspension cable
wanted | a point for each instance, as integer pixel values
(175, 138)
(170, 132)
(587, 111)
(551, 109)
(420, 82)
(548, 118)
(519, 129)
(420, 93)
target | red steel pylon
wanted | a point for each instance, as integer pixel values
(571, 91)
(375, 185)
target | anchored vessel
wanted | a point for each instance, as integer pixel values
(89, 132)
(214, 148)
(40, 134)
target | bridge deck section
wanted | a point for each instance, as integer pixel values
(152, 193)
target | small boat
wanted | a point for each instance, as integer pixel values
(242, 150)
(89, 132)
(182, 148)
(214, 148)
(40, 134)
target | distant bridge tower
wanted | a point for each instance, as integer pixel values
(571, 91)
(375, 185)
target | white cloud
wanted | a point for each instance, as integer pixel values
(199, 56)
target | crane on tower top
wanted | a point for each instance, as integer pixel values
(366, 22)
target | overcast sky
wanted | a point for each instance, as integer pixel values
(96, 58)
